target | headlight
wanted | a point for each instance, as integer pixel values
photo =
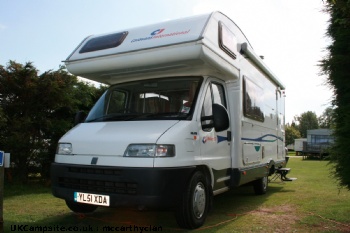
(149, 150)
(64, 149)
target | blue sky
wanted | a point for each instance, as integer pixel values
(290, 34)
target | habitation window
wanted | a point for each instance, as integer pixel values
(252, 101)
(321, 139)
(227, 40)
(104, 42)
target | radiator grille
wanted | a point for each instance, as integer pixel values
(97, 183)
(98, 171)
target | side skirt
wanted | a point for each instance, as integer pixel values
(235, 177)
(241, 176)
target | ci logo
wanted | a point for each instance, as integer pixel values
(158, 31)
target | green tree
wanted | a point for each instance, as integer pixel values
(336, 66)
(38, 110)
(16, 82)
(307, 120)
(326, 120)
(2, 118)
(291, 134)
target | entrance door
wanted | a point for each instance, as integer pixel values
(280, 125)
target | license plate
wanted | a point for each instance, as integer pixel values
(90, 198)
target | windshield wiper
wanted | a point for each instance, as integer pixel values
(159, 114)
(134, 116)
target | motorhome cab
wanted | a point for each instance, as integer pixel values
(190, 113)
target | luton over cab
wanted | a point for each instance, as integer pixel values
(191, 112)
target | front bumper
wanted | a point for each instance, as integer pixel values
(150, 187)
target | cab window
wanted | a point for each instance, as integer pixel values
(214, 94)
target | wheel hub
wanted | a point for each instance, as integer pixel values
(265, 181)
(199, 200)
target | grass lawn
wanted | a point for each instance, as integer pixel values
(313, 203)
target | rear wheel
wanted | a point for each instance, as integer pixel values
(194, 205)
(80, 208)
(260, 185)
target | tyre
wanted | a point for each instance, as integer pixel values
(193, 209)
(80, 208)
(260, 185)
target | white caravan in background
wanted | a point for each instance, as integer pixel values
(190, 113)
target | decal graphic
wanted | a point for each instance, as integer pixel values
(208, 139)
(194, 134)
(257, 148)
(214, 139)
(157, 34)
(262, 138)
(221, 139)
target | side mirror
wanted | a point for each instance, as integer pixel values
(79, 117)
(221, 120)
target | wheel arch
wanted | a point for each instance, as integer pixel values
(271, 167)
(208, 174)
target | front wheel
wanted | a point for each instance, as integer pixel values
(260, 185)
(80, 208)
(194, 205)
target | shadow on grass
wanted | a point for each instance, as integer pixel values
(12, 190)
(226, 208)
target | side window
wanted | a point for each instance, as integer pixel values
(219, 94)
(215, 94)
(252, 101)
(116, 102)
(207, 111)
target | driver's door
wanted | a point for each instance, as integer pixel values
(215, 146)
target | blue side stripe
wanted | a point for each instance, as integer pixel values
(261, 139)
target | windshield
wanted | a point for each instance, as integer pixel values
(156, 99)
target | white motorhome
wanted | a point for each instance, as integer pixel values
(190, 113)
(298, 144)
